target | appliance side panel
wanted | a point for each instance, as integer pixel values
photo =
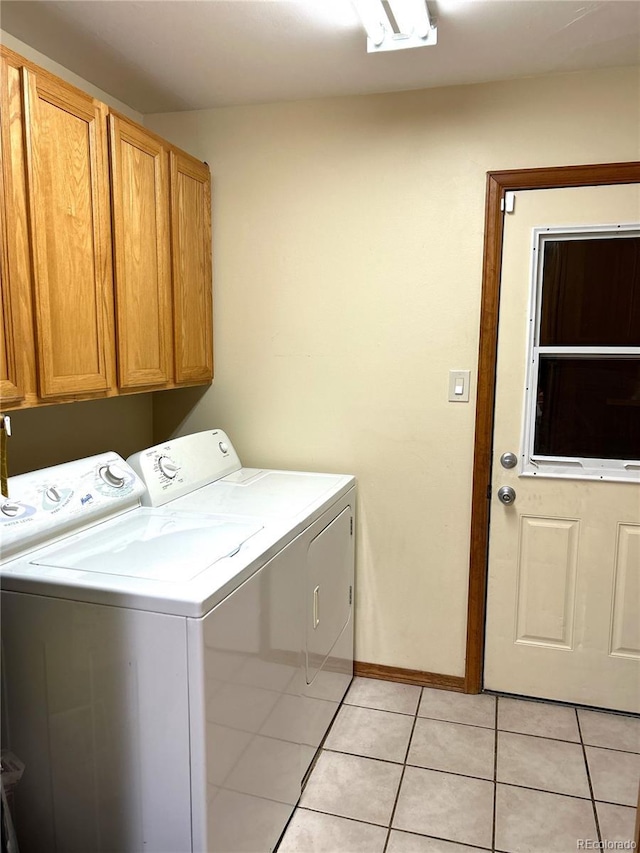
(321, 699)
(200, 687)
(251, 696)
(97, 710)
(329, 608)
(328, 598)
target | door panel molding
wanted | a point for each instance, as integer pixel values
(546, 579)
(625, 639)
(499, 183)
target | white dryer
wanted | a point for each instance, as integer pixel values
(151, 662)
(313, 516)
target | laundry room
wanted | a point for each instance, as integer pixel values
(343, 322)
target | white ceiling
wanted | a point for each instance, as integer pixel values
(165, 55)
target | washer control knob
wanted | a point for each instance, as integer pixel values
(53, 495)
(10, 509)
(224, 447)
(167, 467)
(113, 475)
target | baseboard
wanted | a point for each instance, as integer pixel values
(409, 676)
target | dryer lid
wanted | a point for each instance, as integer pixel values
(263, 493)
(151, 544)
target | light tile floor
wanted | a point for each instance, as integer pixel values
(406, 769)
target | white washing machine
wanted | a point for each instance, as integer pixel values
(315, 514)
(151, 663)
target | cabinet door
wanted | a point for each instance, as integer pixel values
(10, 382)
(191, 249)
(142, 266)
(68, 175)
(17, 353)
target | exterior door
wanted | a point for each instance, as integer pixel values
(563, 596)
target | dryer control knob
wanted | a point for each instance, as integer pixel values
(10, 509)
(224, 447)
(113, 476)
(168, 467)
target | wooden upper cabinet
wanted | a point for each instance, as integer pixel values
(11, 388)
(17, 348)
(142, 261)
(68, 191)
(191, 261)
(105, 249)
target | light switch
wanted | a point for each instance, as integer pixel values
(459, 386)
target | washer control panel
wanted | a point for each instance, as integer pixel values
(113, 475)
(43, 505)
(182, 465)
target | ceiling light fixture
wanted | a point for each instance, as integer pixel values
(396, 24)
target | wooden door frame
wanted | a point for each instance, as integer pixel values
(498, 183)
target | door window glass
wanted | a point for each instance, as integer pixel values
(591, 293)
(588, 407)
(583, 387)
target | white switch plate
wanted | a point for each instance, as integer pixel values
(459, 386)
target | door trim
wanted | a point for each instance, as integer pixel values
(498, 183)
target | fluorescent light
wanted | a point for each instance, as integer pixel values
(412, 16)
(374, 19)
(413, 26)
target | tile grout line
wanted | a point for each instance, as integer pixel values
(473, 847)
(455, 722)
(558, 703)
(586, 764)
(539, 790)
(539, 737)
(404, 768)
(495, 776)
(383, 710)
(437, 719)
(612, 749)
(341, 817)
(360, 755)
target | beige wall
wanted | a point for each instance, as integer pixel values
(54, 434)
(55, 68)
(347, 268)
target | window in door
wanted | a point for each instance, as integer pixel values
(583, 385)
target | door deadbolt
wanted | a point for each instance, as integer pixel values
(506, 495)
(508, 460)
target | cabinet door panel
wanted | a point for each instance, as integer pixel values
(191, 244)
(140, 197)
(10, 381)
(70, 237)
(17, 348)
